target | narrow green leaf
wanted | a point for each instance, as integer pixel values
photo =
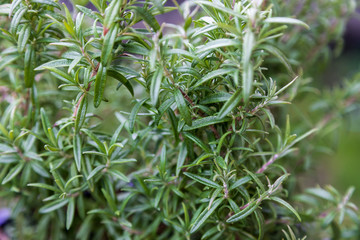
(147, 17)
(74, 63)
(47, 2)
(134, 112)
(23, 37)
(321, 193)
(121, 161)
(205, 121)
(88, 12)
(155, 86)
(72, 179)
(81, 112)
(95, 171)
(232, 103)
(77, 151)
(218, 43)
(163, 160)
(14, 4)
(162, 109)
(70, 213)
(197, 141)
(221, 162)
(240, 182)
(45, 186)
(29, 65)
(247, 76)
(256, 179)
(221, 8)
(216, 98)
(111, 12)
(205, 215)
(100, 83)
(212, 75)
(110, 200)
(99, 144)
(204, 181)
(61, 75)
(181, 158)
(13, 172)
(286, 20)
(287, 205)
(108, 44)
(243, 213)
(183, 108)
(53, 205)
(121, 78)
(261, 223)
(278, 54)
(15, 21)
(39, 169)
(118, 175)
(55, 64)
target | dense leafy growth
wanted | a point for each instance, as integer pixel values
(201, 147)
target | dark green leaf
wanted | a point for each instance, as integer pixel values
(147, 17)
(120, 77)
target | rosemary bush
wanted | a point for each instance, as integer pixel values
(111, 130)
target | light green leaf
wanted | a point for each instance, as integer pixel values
(181, 158)
(95, 171)
(155, 86)
(205, 215)
(204, 181)
(232, 103)
(287, 205)
(55, 64)
(243, 213)
(197, 141)
(286, 20)
(108, 45)
(205, 121)
(99, 144)
(100, 83)
(15, 170)
(70, 213)
(53, 205)
(81, 112)
(77, 151)
(182, 106)
(45, 186)
(118, 175)
(212, 75)
(218, 43)
(134, 112)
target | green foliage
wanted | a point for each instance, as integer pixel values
(200, 149)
